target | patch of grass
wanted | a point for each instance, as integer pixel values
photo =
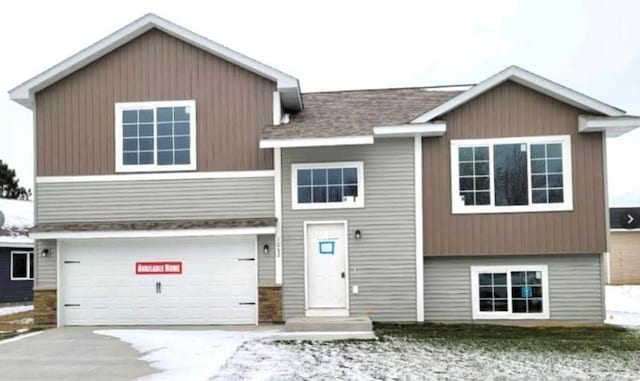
(508, 338)
(7, 335)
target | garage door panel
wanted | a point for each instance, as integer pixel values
(215, 280)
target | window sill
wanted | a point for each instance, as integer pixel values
(320, 206)
(509, 316)
(460, 209)
(154, 168)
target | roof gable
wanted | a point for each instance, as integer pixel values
(527, 79)
(287, 85)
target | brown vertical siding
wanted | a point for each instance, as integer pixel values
(75, 116)
(512, 110)
(624, 258)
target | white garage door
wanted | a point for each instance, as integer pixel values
(217, 283)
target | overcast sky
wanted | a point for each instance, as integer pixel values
(590, 46)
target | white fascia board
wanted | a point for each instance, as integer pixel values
(530, 80)
(613, 126)
(14, 244)
(24, 93)
(155, 176)
(316, 142)
(154, 233)
(411, 130)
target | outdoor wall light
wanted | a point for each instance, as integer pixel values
(265, 249)
(358, 234)
(44, 253)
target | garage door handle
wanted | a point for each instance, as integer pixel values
(247, 303)
(246, 259)
(71, 305)
(71, 261)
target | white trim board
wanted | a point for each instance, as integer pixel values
(16, 244)
(530, 80)
(316, 142)
(277, 197)
(154, 233)
(410, 130)
(417, 178)
(155, 176)
(24, 93)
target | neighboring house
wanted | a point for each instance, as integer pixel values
(16, 251)
(180, 182)
(624, 255)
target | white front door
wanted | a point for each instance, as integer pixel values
(326, 251)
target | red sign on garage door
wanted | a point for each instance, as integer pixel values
(154, 268)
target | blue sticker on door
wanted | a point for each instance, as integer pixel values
(327, 247)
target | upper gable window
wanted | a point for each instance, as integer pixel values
(526, 174)
(155, 136)
(327, 185)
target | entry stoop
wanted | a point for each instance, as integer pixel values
(328, 328)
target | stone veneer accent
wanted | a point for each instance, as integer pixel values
(270, 304)
(44, 308)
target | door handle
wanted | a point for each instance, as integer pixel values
(342, 275)
(158, 288)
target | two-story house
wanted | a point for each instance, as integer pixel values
(181, 182)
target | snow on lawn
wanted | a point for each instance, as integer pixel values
(17, 213)
(623, 305)
(399, 358)
(183, 354)
(14, 309)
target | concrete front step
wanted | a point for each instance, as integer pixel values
(329, 324)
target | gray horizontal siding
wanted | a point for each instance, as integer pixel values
(575, 285)
(155, 200)
(45, 267)
(382, 263)
(266, 262)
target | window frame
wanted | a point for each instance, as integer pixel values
(29, 255)
(475, 292)
(457, 205)
(124, 106)
(359, 202)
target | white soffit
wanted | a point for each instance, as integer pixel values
(316, 142)
(613, 126)
(530, 80)
(410, 130)
(287, 85)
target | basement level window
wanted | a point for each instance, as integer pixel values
(327, 185)
(525, 174)
(21, 265)
(510, 292)
(155, 136)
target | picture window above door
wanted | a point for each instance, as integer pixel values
(155, 136)
(327, 185)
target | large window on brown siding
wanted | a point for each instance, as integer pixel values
(526, 174)
(155, 136)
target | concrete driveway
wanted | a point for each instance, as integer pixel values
(71, 353)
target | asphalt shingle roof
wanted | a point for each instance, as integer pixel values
(356, 112)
